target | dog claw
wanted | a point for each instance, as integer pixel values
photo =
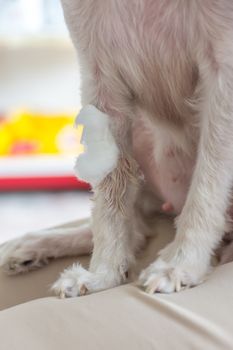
(83, 290)
(152, 287)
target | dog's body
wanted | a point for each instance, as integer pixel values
(134, 57)
(163, 72)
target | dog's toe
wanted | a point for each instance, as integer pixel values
(161, 277)
(72, 282)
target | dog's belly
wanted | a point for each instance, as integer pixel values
(169, 174)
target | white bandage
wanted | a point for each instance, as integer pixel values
(101, 153)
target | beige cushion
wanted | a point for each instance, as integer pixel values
(120, 318)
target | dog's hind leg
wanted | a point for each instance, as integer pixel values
(35, 250)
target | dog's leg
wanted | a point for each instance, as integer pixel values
(115, 236)
(186, 261)
(34, 250)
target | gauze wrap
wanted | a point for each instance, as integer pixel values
(101, 153)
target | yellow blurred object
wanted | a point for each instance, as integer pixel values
(29, 133)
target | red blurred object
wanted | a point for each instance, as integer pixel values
(42, 183)
(39, 173)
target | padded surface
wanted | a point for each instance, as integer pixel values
(120, 318)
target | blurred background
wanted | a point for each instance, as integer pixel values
(39, 99)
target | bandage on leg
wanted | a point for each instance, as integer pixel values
(101, 153)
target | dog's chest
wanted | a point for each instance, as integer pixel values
(139, 49)
(138, 52)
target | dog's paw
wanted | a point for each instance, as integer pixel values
(73, 282)
(167, 275)
(161, 277)
(77, 281)
(22, 255)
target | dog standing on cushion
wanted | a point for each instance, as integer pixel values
(163, 73)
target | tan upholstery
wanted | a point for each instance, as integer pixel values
(121, 318)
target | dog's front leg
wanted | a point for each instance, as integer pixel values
(186, 261)
(115, 239)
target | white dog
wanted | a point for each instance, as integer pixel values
(164, 67)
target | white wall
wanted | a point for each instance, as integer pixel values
(41, 75)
